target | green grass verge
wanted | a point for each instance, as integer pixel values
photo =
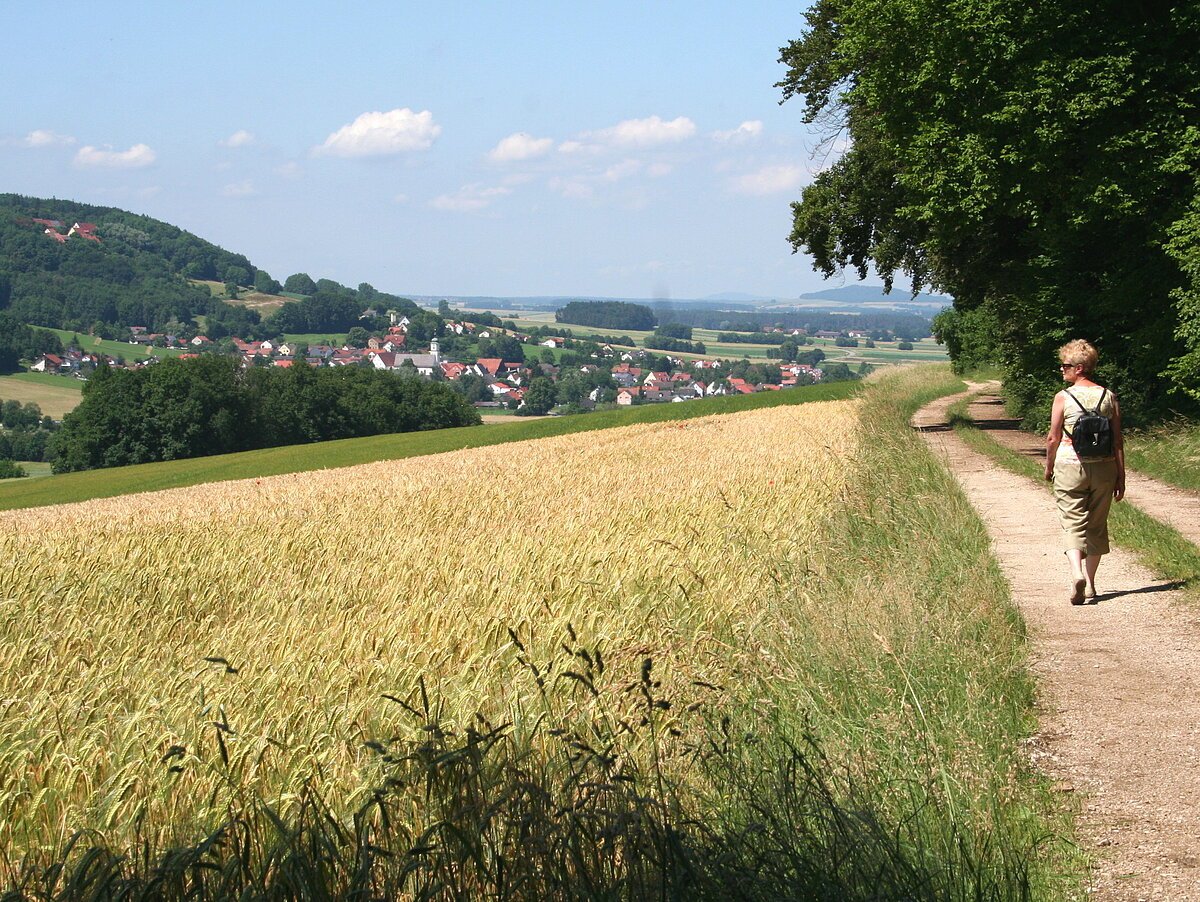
(920, 583)
(1170, 452)
(1160, 548)
(83, 486)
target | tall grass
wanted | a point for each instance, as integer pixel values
(1170, 452)
(760, 656)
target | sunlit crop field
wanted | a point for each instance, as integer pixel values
(161, 652)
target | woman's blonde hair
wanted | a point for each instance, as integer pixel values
(1079, 353)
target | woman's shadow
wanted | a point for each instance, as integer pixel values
(1160, 587)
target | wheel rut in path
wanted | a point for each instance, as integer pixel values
(1119, 680)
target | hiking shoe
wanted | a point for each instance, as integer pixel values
(1077, 591)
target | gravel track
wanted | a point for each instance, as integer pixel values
(1119, 706)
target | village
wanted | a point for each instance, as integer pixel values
(615, 375)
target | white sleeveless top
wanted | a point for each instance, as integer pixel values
(1089, 397)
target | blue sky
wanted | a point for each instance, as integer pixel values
(616, 149)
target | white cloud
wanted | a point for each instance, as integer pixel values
(378, 134)
(469, 198)
(622, 170)
(747, 131)
(136, 157)
(658, 170)
(520, 146)
(240, 189)
(290, 170)
(573, 188)
(400, 198)
(648, 132)
(44, 138)
(652, 131)
(769, 180)
(240, 138)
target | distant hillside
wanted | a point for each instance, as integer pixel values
(866, 294)
(737, 296)
(75, 266)
(84, 268)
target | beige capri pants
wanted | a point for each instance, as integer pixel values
(1084, 492)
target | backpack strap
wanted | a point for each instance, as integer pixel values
(1094, 412)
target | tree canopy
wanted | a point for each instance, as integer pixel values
(1039, 162)
(210, 405)
(607, 315)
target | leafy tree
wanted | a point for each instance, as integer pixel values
(473, 388)
(357, 337)
(539, 397)
(503, 346)
(1037, 161)
(265, 284)
(10, 470)
(299, 283)
(675, 330)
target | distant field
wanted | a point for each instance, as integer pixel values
(82, 486)
(34, 468)
(55, 395)
(335, 340)
(114, 348)
(924, 351)
(265, 304)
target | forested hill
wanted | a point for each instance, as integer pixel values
(69, 265)
(134, 270)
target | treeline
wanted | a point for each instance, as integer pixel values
(904, 325)
(1041, 168)
(659, 342)
(332, 307)
(27, 432)
(607, 315)
(211, 405)
(754, 338)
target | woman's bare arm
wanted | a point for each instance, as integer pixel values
(1054, 436)
(1118, 451)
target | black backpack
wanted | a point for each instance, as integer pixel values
(1093, 431)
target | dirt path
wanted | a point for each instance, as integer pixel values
(1119, 681)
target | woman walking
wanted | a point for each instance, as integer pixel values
(1085, 484)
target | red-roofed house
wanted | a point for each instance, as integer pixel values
(84, 230)
(49, 363)
(488, 366)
